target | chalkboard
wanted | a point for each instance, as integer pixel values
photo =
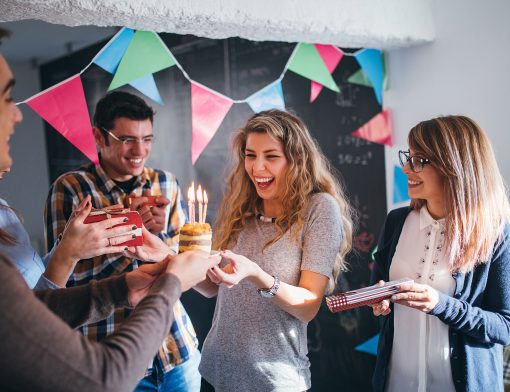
(238, 68)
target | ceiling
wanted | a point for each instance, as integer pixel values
(382, 24)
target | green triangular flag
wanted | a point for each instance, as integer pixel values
(360, 78)
(145, 54)
(307, 62)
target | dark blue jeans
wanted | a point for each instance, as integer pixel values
(183, 378)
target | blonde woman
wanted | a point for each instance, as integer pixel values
(446, 331)
(287, 224)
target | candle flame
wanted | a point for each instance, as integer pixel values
(205, 197)
(199, 194)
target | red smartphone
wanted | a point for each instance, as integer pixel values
(134, 219)
(151, 200)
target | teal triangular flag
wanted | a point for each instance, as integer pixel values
(370, 346)
(400, 193)
(110, 56)
(147, 86)
(270, 97)
(370, 61)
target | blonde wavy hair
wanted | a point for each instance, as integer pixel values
(308, 172)
(474, 190)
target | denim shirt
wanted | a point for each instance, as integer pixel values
(478, 314)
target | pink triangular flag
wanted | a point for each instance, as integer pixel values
(331, 55)
(208, 109)
(378, 129)
(64, 107)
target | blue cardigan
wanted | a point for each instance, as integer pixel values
(478, 314)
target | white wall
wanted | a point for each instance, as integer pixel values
(26, 186)
(465, 71)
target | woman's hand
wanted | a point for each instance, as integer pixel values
(381, 308)
(141, 279)
(417, 296)
(84, 241)
(237, 269)
(152, 250)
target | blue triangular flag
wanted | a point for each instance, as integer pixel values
(109, 57)
(270, 97)
(370, 61)
(370, 346)
(147, 86)
(399, 185)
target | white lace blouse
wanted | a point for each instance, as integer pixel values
(420, 358)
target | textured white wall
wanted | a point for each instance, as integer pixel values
(347, 23)
(465, 71)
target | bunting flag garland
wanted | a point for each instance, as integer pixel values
(378, 129)
(208, 109)
(145, 54)
(64, 107)
(371, 62)
(270, 97)
(133, 57)
(111, 55)
(370, 346)
(307, 62)
(400, 191)
(331, 56)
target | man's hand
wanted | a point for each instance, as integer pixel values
(191, 267)
(141, 279)
(153, 217)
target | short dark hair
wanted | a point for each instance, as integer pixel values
(120, 104)
(4, 34)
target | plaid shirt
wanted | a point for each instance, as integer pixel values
(506, 368)
(67, 192)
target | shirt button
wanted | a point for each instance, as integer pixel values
(457, 381)
(454, 333)
(455, 357)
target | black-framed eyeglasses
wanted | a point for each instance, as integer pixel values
(131, 141)
(416, 163)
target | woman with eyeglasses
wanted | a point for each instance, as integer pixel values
(446, 331)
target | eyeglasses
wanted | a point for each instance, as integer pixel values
(416, 163)
(131, 141)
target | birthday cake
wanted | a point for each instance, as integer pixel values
(195, 236)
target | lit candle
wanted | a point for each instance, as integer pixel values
(200, 205)
(205, 205)
(191, 203)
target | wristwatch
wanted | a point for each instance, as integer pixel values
(270, 292)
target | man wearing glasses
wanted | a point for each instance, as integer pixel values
(123, 131)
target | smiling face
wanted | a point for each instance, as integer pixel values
(427, 185)
(266, 165)
(10, 114)
(124, 161)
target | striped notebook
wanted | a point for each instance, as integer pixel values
(365, 296)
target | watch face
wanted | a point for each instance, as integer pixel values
(266, 294)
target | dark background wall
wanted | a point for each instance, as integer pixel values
(238, 68)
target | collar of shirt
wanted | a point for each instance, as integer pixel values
(109, 184)
(427, 221)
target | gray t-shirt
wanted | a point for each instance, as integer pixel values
(254, 345)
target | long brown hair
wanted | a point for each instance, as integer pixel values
(474, 190)
(308, 173)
